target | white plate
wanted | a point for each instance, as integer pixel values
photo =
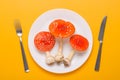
(41, 24)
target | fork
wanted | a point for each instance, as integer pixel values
(19, 34)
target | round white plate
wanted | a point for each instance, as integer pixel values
(42, 24)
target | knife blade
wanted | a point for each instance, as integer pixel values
(101, 33)
(100, 38)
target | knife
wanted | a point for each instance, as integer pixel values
(100, 38)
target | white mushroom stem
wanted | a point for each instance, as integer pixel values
(59, 56)
(49, 58)
(67, 61)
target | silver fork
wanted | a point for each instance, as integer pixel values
(19, 33)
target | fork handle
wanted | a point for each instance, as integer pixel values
(97, 65)
(26, 68)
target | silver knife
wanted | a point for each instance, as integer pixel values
(100, 38)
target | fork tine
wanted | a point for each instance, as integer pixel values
(17, 25)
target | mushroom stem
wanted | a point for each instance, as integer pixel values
(70, 56)
(49, 58)
(59, 56)
(67, 60)
(48, 54)
(60, 46)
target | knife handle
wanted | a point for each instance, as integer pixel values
(97, 65)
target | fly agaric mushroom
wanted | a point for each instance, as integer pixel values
(78, 43)
(44, 41)
(61, 29)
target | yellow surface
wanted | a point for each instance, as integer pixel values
(11, 67)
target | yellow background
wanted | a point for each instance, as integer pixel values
(11, 65)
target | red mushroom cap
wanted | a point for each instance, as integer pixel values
(60, 28)
(44, 41)
(79, 42)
